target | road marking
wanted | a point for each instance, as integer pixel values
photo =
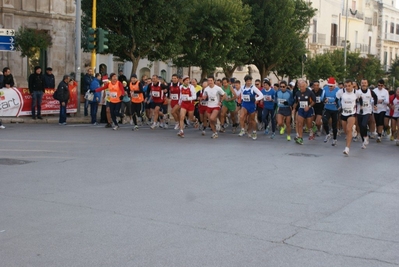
(38, 141)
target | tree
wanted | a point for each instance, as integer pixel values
(279, 26)
(216, 30)
(394, 73)
(319, 67)
(140, 28)
(30, 41)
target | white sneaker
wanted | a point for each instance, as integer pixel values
(242, 132)
(254, 135)
(2, 126)
(328, 137)
(115, 128)
(334, 142)
(177, 127)
(153, 126)
(364, 146)
(214, 135)
(346, 151)
(131, 121)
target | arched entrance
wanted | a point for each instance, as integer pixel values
(145, 71)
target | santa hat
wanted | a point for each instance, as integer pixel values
(331, 81)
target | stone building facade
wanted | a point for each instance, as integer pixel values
(57, 17)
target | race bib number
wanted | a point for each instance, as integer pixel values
(267, 98)
(303, 104)
(366, 104)
(135, 95)
(204, 103)
(212, 99)
(113, 95)
(348, 111)
(246, 98)
(318, 99)
(331, 100)
(397, 107)
(184, 97)
(174, 96)
(155, 94)
(281, 101)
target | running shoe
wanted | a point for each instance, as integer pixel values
(2, 127)
(267, 130)
(328, 137)
(388, 131)
(272, 136)
(366, 141)
(108, 125)
(222, 129)
(203, 132)
(95, 124)
(354, 139)
(153, 126)
(116, 127)
(311, 137)
(299, 141)
(254, 135)
(214, 135)
(314, 128)
(289, 138)
(242, 133)
(181, 134)
(363, 146)
(397, 142)
(346, 151)
(135, 128)
(334, 142)
(378, 139)
(282, 129)
(392, 138)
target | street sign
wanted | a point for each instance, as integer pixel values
(7, 40)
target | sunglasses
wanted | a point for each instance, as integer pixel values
(257, 84)
(282, 86)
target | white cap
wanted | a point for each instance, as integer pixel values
(292, 83)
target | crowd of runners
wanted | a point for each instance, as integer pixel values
(360, 112)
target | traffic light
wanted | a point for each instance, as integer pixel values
(102, 40)
(91, 39)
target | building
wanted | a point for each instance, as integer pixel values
(57, 17)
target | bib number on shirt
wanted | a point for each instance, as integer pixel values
(174, 96)
(348, 111)
(184, 97)
(281, 101)
(246, 98)
(268, 98)
(365, 104)
(318, 99)
(212, 99)
(113, 95)
(303, 104)
(135, 95)
(204, 103)
(155, 94)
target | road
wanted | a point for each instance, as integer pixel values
(81, 195)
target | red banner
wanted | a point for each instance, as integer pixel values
(15, 102)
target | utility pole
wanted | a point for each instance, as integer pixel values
(346, 36)
(94, 26)
(78, 52)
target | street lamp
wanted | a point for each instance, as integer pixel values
(370, 34)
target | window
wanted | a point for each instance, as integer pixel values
(314, 38)
(392, 27)
(163, 74)
(397, 29)
(334, 37)
(375, 18)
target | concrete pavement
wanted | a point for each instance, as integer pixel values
(83, 195)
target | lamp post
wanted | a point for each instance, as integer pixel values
(370, 34)
(346, 34)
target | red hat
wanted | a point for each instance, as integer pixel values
(331, 81)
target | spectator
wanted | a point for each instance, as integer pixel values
(96, 83)
(87, 79)
(63, 97)
(8, 80)
(122, 78)
(49, 79)
(1, 125)
(36, 89)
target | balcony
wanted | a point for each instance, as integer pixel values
(391, 37)
(317, 38)
(359, 15)
(362, 48)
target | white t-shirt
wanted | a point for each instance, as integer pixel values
(213, 94)
(367, 105)
(348, 102)
(384, 96)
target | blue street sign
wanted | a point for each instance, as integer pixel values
(7, 40)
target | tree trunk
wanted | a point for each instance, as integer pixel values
(229, 71)
(204, 74)
(135, 61)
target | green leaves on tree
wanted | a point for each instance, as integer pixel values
(31, 41)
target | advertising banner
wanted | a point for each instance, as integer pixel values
(15, 102)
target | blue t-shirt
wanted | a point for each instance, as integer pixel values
(281, 97)
(269, 98)
(332, 101)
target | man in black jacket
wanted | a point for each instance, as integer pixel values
(49, 79)
(36, 89)
(63, 97)
(8, 80)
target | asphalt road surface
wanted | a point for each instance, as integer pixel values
(81, 195)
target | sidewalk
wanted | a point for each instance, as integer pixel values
(51, 118)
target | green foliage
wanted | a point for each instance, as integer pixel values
(217, 35)
(279, 27)
(394, 73)
(323, 66)
(140, 28)
(30, 41)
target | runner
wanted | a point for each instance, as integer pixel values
(249, 95)
(137, 98)
(202, 106)
(116, 93)
(305, 99)
(157, 92)
(348, 100)
(394, 105)
(228, 105)
(214, 94)
(269, 100)
(174, 94)
(330, 110)
(318, 106)
(382, 105)
(186, 102)
(364, 110)
(284, 100)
